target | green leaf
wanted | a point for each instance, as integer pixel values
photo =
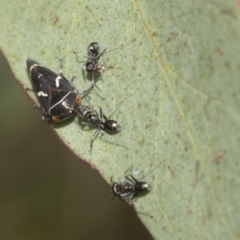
(177, 70)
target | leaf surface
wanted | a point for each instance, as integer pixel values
(175, 65)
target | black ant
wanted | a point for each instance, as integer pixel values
(101, 121)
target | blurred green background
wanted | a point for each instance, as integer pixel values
(45, 191)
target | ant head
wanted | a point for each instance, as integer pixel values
(93, 49)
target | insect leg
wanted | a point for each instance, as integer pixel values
(46, 116)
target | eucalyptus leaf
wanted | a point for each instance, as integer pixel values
(175, 67)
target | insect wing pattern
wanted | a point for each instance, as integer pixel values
(57, 96)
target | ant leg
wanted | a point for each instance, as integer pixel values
(93, 138)
(86, 91)
(101, 114)
(87, 124)
(73, 77)
(112, 108)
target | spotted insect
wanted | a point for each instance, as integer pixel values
(59, 99)
(101, 121)
(129, 188)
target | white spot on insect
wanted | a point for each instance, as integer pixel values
(42, 94)
(33, 66)
(67, 106)
(39, 75)
(57, 80)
